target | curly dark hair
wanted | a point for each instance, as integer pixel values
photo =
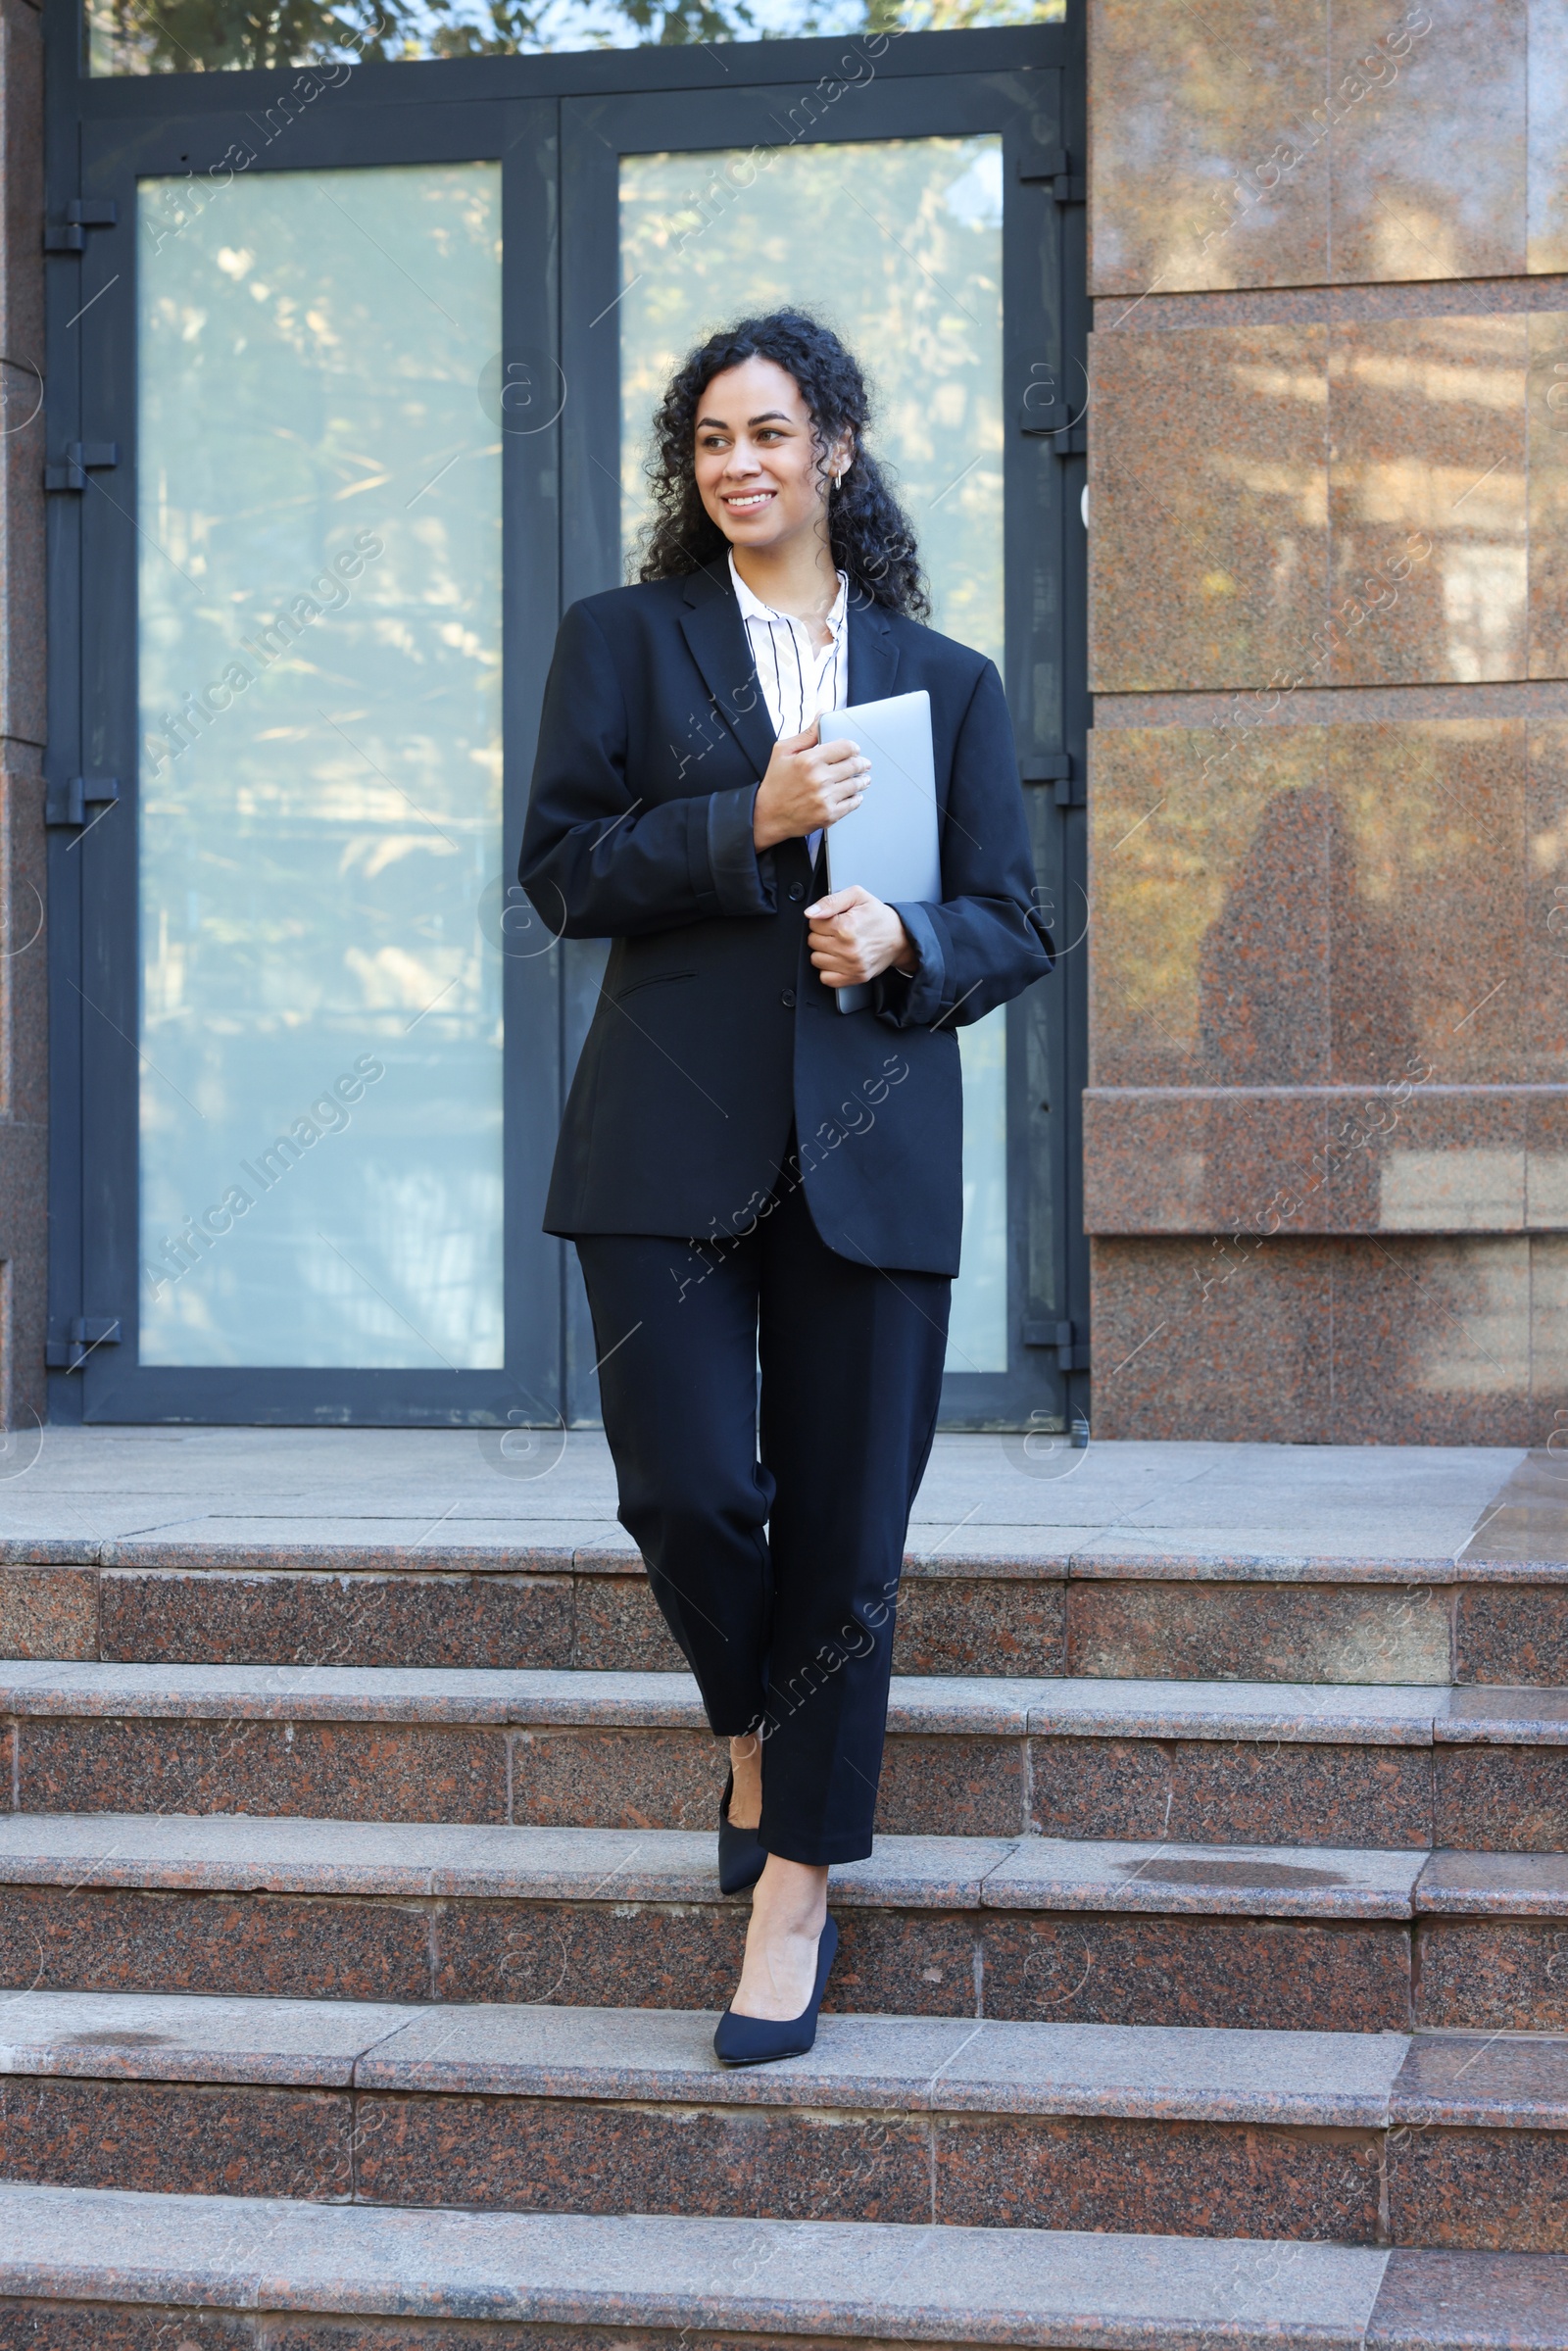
(867, 530)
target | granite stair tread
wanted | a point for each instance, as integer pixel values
(758, 2280)
(900, 2064)
(1518, 1548)
(1495, 1885)
(887, 2282)
(229, 1853)
(1367, 1714)
(912, 2065)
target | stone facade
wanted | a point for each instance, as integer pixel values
(1327, 1124)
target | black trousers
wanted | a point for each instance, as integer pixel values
(774, 1532)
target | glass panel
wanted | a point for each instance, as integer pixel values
(205, 36)
(321, 772)
(916, 292)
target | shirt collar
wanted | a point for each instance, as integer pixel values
(753, 609)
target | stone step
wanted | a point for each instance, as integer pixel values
(252, 2273)
(1183, 1615)
(1024, 1929)
(1032, 1929)
(1456, 2141)
(1218, 1762)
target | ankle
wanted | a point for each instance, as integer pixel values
(791, 1898)
(745, 1769)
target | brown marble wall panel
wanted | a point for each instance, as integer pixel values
(1202, 1161)
(1501, 1799)
(1448, 1161)
(1196, 1333)
(177, 2139)
(1432, 1340)
(980, 1625)
(1274, 1974)
(1187, 114)
(1429, 903)
(1209, 488)
(1341, 1160)
(1549, 1336)
(618, 1630)
(1492, 1975)
(1210, 894)
(1544, 970)
(554, 2155)
(606, 1778)
(211, 1617)
(1547, 1154)
(1234, 1791)
(1512, 1633)
(325, 1771)
(49, 1612)
(21, 322)
(1546, 406)
(23, 649)
(1175, 2179)
(1372, 905)
(1479, 2191)
(1259, 1632)
(264, 1946)
(1283, 506)
(1403, 110)
(1406, 1339)
(591, 1954)
(1429, 453)
(1244, 147)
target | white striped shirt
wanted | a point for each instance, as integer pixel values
(800, 680)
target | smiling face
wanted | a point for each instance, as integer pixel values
(758, 471)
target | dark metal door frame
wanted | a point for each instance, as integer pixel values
(557, 124)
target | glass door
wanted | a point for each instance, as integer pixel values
(362, 390)
(888, 210)
(309, 1006)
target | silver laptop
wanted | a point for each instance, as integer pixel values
(890, 844)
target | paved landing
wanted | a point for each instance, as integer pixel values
(79, 1494)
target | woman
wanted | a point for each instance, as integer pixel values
(750, 1175)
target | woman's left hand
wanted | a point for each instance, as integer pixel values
(855, 936)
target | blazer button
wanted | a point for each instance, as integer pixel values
(796, 891)
(787, 1000)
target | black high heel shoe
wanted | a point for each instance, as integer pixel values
(761, 2040)
(742, 1858)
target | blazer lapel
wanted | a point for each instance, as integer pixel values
(712, 627)
(873, 654)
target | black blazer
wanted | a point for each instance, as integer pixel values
(713, 1035)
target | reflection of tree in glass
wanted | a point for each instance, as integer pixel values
(183, 36)
(916, 288)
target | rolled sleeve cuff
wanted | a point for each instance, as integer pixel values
(915, 1000)
(733, 879)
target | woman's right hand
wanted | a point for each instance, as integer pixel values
(808, 784)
